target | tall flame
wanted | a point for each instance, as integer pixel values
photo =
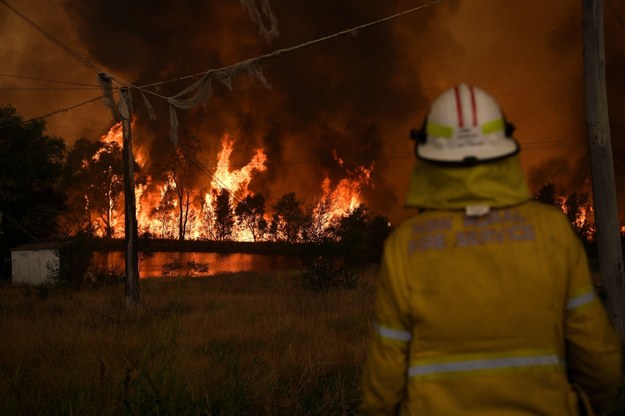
(236, 181)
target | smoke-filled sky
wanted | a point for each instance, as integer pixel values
(356, 97)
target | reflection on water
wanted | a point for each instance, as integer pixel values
(161, 264)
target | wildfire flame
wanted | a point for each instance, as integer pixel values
(116, 135)
(346, 196)
(236, 180)
(159, 201)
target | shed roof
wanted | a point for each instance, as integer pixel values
(52, 245)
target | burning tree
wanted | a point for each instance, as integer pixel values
(94, 182)
(577, 208)
(105, 192)
(182, 170)
(164, 213)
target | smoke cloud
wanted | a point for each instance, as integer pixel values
(351, 98)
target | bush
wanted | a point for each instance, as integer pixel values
(331, 265)
(103, 276)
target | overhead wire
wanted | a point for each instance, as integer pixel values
(60, 44)
(257, 59)
(49, 80)
(283, 51)
(616, 15)
(25, 89)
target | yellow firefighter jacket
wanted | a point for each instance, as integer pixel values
(486, 315)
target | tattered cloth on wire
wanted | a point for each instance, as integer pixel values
(205, 90)
(269, 33)
(106, 83)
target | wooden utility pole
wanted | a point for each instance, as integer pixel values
(130, 208)
(123, 113)
(603, 184)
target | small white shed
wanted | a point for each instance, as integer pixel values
(34, 264)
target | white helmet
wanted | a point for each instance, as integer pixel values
(464, 126)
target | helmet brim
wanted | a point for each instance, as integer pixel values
(467, 154)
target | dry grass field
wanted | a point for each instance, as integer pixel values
(238, 344)
(235, 344)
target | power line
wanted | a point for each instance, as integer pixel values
(522, 84)
(52, 38)
(45, 89)
(283, 51)
(536, 92)
(48, 80)
(53, 112)
(616, 15)
(66, 108)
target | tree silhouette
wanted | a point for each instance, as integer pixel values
(77, 184)
(106, 169)
(289, 218)
(224, 218)
(250, 213)
(31, 165)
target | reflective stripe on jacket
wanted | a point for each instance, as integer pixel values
(493, 315)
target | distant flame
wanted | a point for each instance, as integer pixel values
(583, 222)
(346, 195)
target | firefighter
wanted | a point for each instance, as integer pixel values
(484, 303)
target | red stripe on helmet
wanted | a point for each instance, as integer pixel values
(473, 106)
(459, 107)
